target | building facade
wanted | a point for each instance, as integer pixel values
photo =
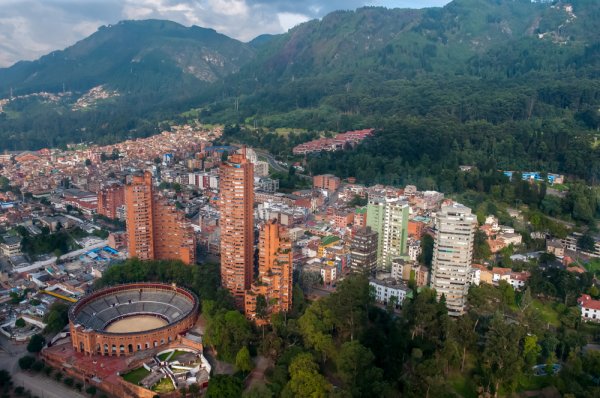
(275, 273)
(389, 218)
(110, 198)
(156, 230)
(389, 290)
(363, 251)
(590, 308)
(453, 255)
(236, 201)
(327, 182)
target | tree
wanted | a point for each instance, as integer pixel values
(57, 318)
(91, 390)
(531, 350)
(349, 306)
(305, 379)
(36, 343)
(501, 360)
(426, 255)
(258, 391)
(228, 331)
(316, 325)
(5, 378)
(586, 243)
(357, 371)
(88, 162)
(481, 248)
(26, 362)
(20, 323)
(507, 292)
(243, 362)
(224, 386)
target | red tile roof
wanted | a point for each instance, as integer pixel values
(585, 301)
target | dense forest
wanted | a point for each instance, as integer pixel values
(346, 346)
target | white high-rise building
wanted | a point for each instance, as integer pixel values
(453, 255)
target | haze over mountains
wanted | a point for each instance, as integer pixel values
(351, 68)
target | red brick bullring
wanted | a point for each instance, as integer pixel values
(97, 341)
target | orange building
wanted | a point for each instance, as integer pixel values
(155, 229)
(328, 182)
(236, 205)
(415, 229)
(275, 269)
(110, 198)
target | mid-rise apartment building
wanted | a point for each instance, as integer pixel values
(328, 182)
(156, 230)
(363, 251)
(110, 199)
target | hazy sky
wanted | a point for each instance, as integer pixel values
(31, 28)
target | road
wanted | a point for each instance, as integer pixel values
(38, 384)
(257, 376)
(276, 166)
(43, 386)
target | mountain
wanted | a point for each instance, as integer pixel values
(503, 68)
(133, 56)
(348, 56)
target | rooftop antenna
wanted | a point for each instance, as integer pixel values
(63, 87)
(11, 93)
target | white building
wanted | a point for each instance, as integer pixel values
(387, 288)
(261, 168)
(414, 249)
(453, 255)
(590, 309)
(11, 246)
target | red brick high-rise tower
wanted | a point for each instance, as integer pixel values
(275, 269)
(156, 230)
(236, 204)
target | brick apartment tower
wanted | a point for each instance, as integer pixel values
(156, 230)
(275, 272)
(236, 204)
(110, 198)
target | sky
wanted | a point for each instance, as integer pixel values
(32, 28)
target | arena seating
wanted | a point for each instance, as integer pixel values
(103, 310)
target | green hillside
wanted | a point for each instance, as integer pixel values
(514, 81)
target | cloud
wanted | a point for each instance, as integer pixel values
(32, 28)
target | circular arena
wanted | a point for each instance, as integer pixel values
(125, 319)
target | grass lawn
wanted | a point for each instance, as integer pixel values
(533, 383)
(163, 386)
(176, 354)
(164, 355)
(547, 313)
(593, 265)
(136, 375)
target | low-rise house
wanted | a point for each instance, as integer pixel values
(590, 308)
(386, 289)
(556, 247)
(11, 246)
